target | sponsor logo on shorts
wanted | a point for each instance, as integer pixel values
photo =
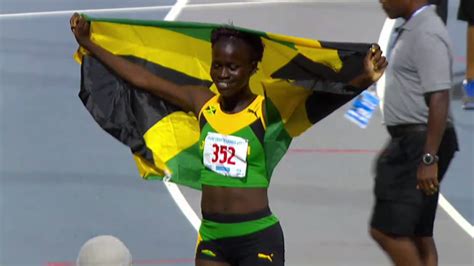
(208, 253)
(268, 257)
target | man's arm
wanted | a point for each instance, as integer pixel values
(438, 103)
(432, 58)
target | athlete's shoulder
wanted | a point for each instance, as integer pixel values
(209, 105)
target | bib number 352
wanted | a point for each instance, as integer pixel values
(226, 155)
(223, 154)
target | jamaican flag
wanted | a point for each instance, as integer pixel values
(303, 80)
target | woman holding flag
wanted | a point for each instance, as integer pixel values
(238, 227)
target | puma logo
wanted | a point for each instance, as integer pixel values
(208, 253)
(266, 257)
(253, 112)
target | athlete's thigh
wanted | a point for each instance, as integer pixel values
(264, 259)
(201, 262)
(267, 248)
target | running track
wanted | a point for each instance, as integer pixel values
(63, 180)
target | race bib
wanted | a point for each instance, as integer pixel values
(226, 155)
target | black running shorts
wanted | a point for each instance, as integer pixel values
(265, 247)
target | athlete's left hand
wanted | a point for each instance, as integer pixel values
(374, 66)
(427, 178)
(374, 63)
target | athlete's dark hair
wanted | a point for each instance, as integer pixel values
(228, 32)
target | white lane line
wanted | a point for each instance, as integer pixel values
(463, 223)
(384, 39)
(172, 188)
(268, 2)
(176, 8)
(89, 11)
(183, 204)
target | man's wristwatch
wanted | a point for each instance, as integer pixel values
(429, 159)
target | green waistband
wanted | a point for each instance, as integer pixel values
(210, 230)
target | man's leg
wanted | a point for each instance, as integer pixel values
(427, 250)
(399, 206)
(401, 250)
(424, 230)
(393, 228)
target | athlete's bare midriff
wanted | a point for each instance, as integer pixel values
(224, 200)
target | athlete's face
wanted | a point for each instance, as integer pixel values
(231, 66)
(395, 8)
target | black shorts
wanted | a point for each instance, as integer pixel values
(264, 247)
(466, 11)
(400, 208)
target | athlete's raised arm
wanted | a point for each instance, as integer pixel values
(189, 98)
(374, 67)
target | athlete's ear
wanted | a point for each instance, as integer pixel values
(254, 67)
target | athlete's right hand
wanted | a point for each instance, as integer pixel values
(80, 29)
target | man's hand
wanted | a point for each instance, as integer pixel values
(427, 178)
(80, 29)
